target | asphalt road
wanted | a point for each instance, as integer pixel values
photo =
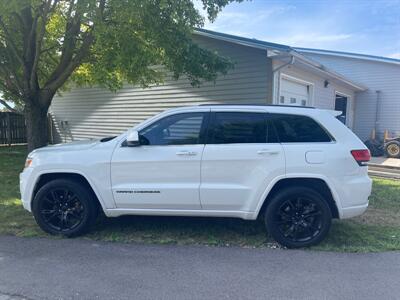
(33, 268)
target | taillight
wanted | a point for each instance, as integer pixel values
(361, 156)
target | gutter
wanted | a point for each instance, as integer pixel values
(350, 55)
(231, 40)
(240, 40)
(291, 62)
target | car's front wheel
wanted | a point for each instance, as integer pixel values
(65, 207)
(298, 217)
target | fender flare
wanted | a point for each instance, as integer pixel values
(330, 185)
(68, 171)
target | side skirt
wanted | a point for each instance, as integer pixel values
(246, 215)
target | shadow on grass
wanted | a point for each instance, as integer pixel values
(345, 235)
(182, 230)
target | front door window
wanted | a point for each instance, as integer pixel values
(179, 129)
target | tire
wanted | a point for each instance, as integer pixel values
(392, 149)
(64, 207)
(298, 217)
(375, 147)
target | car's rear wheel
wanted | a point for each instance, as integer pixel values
(298, 217)
(393, 149)
(64, 207)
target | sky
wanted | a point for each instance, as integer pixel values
(360, 26)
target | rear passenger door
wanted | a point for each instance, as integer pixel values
(308, 147)
(242, 155)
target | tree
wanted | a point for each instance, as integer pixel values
(45, 45)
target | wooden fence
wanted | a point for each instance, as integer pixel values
(12, 128)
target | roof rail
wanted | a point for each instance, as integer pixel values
(271, 105)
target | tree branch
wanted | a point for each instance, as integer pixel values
(11, 42)
(53, 7)
(49, 48)
(4, 103)
(59, 79)
(39, 38)
(72, 31)
(11, 73)
(11, 76)
(9, 87)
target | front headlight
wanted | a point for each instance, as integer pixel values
(28, 162)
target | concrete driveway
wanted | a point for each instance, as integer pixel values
(385, 161)
(33, 268)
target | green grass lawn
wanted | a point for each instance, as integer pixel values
(377, 230)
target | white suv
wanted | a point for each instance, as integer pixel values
(295, 167)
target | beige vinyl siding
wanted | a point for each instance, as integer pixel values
(381, 76)
(96, 112)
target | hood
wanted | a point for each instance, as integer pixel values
(73, 146)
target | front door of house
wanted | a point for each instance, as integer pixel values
(341, 106)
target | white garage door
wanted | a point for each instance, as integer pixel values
(294, 93)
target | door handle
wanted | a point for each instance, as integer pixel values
(186, 153)
(267, 151)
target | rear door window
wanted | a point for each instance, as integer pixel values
(237, 128)
(298, 129)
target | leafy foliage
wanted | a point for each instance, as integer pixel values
(46, 44)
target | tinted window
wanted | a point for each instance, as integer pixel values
(233, 128)
(298, 129)
(180, 129)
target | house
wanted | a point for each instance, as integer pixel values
(378, 107)
(366, 89)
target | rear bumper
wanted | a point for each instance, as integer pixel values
(353, 192)
(353, 211)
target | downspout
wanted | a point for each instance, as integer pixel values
(278, 82)
(377, 110)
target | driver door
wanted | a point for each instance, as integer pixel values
(163, 172)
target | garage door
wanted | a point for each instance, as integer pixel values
(294, 93)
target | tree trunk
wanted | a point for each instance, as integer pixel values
(36, 126)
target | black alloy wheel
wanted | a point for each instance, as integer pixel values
(298, 217)
(64, 207)
(61, 209)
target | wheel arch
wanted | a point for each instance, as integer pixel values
(318, 184)
(75, 176)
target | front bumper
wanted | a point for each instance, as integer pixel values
(26, 188)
